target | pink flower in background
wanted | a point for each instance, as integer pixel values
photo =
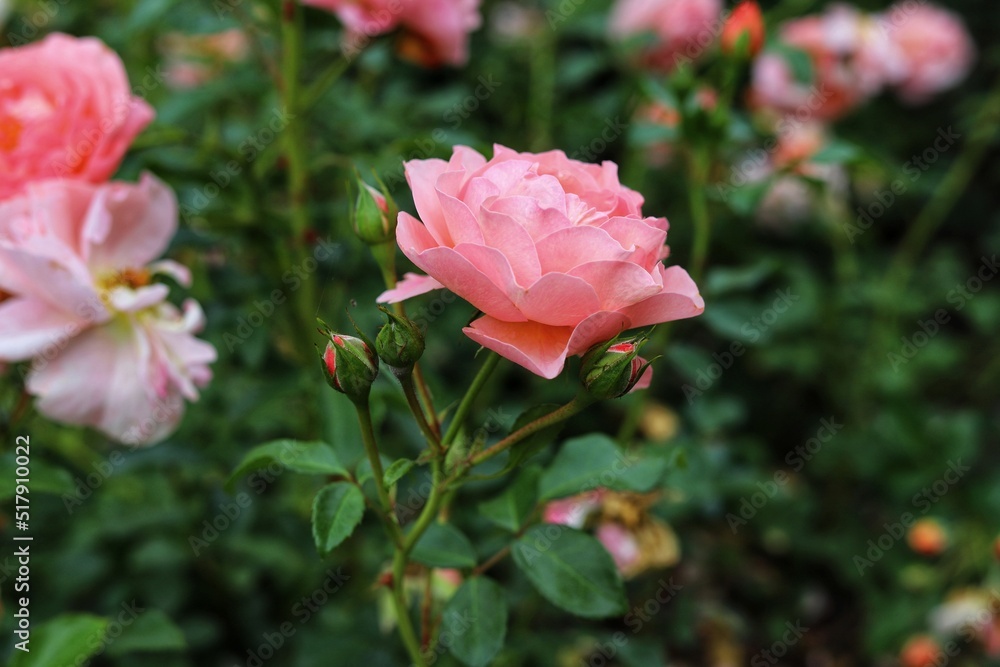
(556, 253)
(797, 182)
(934, 48)
(108, 350)
(850, 58)
(435, 32)
(683, 29)
(191, 61)
(573, 511)
(621, 543)
(66, 111)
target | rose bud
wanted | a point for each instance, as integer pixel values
(613, 369)
(996, 548)
(399, 343)
(374, 215)
(746, 19)
(350, 366)
(920, 651)
(927, 537)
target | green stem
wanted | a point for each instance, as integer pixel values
(470, 396)
(409, 390)
(578, 404)
(403, 620)
(541, 94)
(295, 152)
(699, 165)
(327, 78)
(931, 217)
(371, 448)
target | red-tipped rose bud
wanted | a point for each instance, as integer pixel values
(745, 25)
(920, 651)
(374, 215)
(927, 537)
(399, 343)
(613, 369)
(350, 366)
(996, 548)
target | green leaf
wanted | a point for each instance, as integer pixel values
(65, 640)
(310, 458)
(836, 152)
(595, 461)
(571, 570)
(476, 619)
(151, 631)
(536, 442)
(443, 545)
(44, 478)
(510, 509)
(396, 471)
(337, 510)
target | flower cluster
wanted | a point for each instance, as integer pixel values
(846, 57)
(78, 270)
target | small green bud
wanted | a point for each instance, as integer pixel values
(374, 215)
(399, 343)
(612, 369)
(350, 366)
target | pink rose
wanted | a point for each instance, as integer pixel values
(850, 57)
(933, 45)
(683, 29)
(556, 253)
(435, 32)
(109, 351)
(66, 111)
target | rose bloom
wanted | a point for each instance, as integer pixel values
(555, 253)
(66, 111)
(851, 59)
(109, 351)
(435, 32)
(933, 47)
(683, 29)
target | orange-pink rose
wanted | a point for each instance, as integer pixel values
(556, 253)
(933, 46)
(66, 111)
(77, 262)
(435, 32)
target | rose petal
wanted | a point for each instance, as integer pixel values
(410, 286)
(678, 300)
(537, 347)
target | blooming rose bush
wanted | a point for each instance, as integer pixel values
(556, 253)
(110, 351)
(66, 111)
(683, 29)
(435, 32)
